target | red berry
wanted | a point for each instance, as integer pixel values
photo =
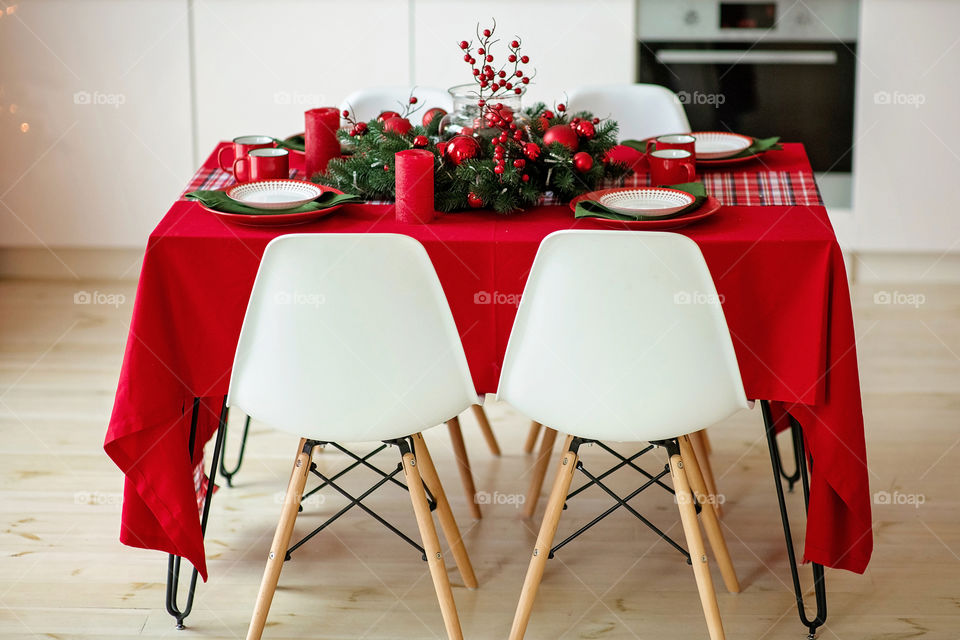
(498, 169)
(481, 102)
(518, 135)
(518, 163)
(481, 51)
(386, 167)
(575, 121)
(361, 127)
(511, 58)
(525, 80)
(489, 58)
(561, 107)
(345, 113)
(466, 58)
(473, 60)
(525, 178)
(474, 200)
(413, 99)
(487, 33)
(525, 59)
(483, 83)
(548, 114)
(518, 90)
(502, 74)
(596, 121)
(476, 72)
(421, 141)
(585, 129)
(531, 150)
(509, 85)
(514, 44)
(464, 44)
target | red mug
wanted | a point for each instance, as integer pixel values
(671, 166)
(241, 147)
(683, 141)
(263, 164)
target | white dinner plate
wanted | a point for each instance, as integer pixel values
(274, 194)
(713, 145)
(646, 201)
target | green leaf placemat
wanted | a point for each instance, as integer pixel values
(759, 145)
(220, 201)
(295, 142)
(593, 209)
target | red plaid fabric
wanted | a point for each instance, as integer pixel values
(763, 188)
(201, 483)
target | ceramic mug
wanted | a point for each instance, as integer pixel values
(683, 141)
(241, 147)
(671, 166)
(264, 164)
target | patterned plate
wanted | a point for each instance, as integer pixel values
(707, 209)
(645, 201)
(714, 145)
(274, 194)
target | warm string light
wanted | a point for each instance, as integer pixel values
(24, 127)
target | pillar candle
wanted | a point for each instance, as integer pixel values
(320, 139)
(414, 185)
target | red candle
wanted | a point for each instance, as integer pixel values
(320, 143)
(414, 185)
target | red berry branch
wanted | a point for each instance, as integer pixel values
(492, 81)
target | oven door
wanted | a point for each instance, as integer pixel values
(802, 92)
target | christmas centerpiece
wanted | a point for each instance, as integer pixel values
(488, 153)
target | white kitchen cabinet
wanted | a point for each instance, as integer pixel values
(907, 155)
(260, 65)
(94, 120)
(570, 43)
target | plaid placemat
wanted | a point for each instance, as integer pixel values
(764, 188)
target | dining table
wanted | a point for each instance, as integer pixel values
(770, 248)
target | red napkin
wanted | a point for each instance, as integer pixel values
(414, 185)
(320, 138)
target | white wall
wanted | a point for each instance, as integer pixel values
(907, 160)
(85, 173)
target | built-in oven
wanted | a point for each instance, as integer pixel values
(781, 68)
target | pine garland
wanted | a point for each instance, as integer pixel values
(369, 172)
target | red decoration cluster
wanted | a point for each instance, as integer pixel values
(492, 80)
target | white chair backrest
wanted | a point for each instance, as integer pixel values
(641, 110)
(348, 338)
(367, 104)
(620, 336)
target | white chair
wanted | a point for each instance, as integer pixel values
(620, 337)
(367, 104)
(349, 338)
(642, 110)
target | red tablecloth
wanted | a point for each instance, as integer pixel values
(778, 267)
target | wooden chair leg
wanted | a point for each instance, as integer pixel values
(709, 517)
(532, 436)
(706, 441)
(485, 429)
(541, 552)
(698, 554)
(281, 540)
(447, 522)
(463, 465)
(539, 471)
(431, 547)
(698, 440)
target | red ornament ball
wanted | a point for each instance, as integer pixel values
(582, 161)
(435, 112)
(563, 134)
(397, 125)
(460, 148)
(421, 141)
(585, 129)
(386, 115)
(474, 200)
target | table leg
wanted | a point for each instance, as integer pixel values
(819, 584)
(228, 474)
(173, 562)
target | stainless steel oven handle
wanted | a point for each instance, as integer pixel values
(750, 56)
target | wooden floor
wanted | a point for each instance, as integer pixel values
(64, 575)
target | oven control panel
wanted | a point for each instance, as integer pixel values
(720, 20)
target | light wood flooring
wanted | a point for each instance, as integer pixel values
(63, 574)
